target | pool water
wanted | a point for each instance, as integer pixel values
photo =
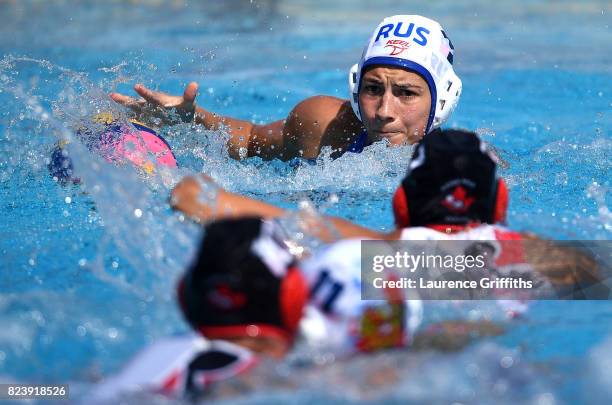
(86, 271)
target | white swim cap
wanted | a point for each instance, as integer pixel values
(417, 44)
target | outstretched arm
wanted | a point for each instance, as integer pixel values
(162, 106)
(313, 123)
(204, 201)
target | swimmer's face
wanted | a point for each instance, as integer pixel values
(394, 104)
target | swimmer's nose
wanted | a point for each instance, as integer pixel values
(384, 112)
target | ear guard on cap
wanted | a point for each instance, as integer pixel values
(353, 82)
(293, 297)
(448, 92)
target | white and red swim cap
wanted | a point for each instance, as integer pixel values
(417, 44)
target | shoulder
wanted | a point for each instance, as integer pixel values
(320, 121)
(317, 112)
(319, 104)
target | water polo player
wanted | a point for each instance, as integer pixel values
(247, 287)
(244, 297)
(116, 142)
(451, 191)
(403, 87)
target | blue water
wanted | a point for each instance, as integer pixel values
(86, 271)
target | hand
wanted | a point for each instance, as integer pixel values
(197, 197)
(164, 107)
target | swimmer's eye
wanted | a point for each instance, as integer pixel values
(373, 89)
(404, 92)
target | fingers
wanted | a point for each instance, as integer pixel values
(185, 191)
(121, 99)
(191, 91)
(156, 103)
(127, 101)
(150, 96)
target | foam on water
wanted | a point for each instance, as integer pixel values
(483, 373)
(138, 251)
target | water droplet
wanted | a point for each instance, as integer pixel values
(242, 153)
(472, 370)
(67, 200)
(546, 399)
(82, 262)
(114, 264)
(81, 331)
(112, 333)
(138, 213)
(506, 362)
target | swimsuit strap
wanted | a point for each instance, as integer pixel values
(359, 143)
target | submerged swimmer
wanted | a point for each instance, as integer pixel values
(403, 87)
(451, 192)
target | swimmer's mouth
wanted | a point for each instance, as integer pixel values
(387, 134)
